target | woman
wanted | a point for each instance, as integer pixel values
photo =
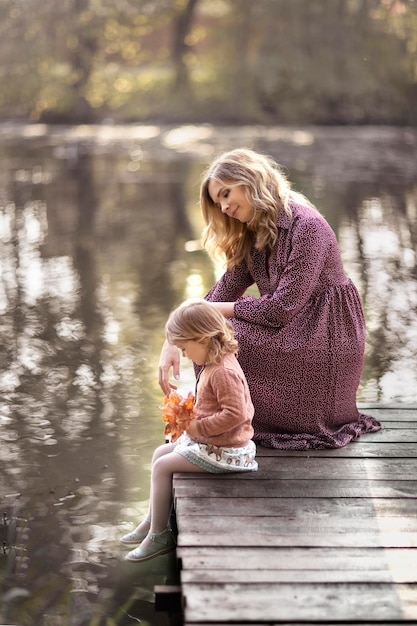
(301, 342)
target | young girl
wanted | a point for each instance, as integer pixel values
(218, 440)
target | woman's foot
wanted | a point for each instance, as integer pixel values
(138, 535)
(153, 545)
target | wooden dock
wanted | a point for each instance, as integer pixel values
(314, 537)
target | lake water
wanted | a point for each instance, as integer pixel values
(99, 240)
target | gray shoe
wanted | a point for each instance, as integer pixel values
(161, 544)
(134, 538)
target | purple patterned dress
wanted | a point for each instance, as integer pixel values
(302, 341)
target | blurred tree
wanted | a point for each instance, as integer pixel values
(83, 46)
(399, 19)
(182, 26)
(270, 61)
(328, 61)
(240, 102)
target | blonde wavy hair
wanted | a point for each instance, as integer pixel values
(199, 320)
(266, 188)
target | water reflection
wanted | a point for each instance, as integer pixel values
(99, 233)
(382, 243)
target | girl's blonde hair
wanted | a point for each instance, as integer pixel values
(267, 189)
(198, 320)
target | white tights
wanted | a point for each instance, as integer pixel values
(165, 462)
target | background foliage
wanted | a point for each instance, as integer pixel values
(223, 61)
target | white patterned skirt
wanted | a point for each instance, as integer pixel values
(217, 459)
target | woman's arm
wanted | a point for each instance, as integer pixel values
(231, 285)
(226, 308)
(312, 243)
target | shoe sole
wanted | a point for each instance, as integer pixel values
(131, 542)
(150, 556)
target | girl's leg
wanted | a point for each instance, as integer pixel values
(159, 452)
(142, 529)
(163, 469)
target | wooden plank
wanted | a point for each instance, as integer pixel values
(398, 432)
(394, 424)
(201, 486)
(390, 433)
(387, 412)
(265, 602)
(297, 576)
(401, 539)
(297, 565)
(318, 531)
(360, 450)
(293, 508)
(396, 561)
(240, 565)
(326, 468)
(168, 598)
(340, 468)
(287, 623)
(295, 623)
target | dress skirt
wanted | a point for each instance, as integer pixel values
(304, 377)
(217, 459)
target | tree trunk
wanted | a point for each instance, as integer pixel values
(180, 47)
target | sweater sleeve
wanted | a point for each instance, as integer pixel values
(310, 245)
(228, 388)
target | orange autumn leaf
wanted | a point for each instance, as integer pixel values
(177, 412)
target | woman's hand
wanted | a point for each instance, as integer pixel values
(170, 358)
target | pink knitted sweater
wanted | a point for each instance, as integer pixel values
(224, 407)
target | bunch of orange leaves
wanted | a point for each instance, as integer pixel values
(177, 413)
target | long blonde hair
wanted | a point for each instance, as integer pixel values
(268, 191)
(198, 320)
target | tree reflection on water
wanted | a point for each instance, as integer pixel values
(99, 233)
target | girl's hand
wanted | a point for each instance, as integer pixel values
(192, 429)
(170, 358)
